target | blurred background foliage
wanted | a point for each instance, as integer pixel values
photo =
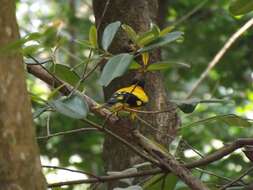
(65, 28)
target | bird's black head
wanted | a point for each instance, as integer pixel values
(138, 82)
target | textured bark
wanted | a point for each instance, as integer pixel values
(138, 14)
(20, 167)
(72, 31)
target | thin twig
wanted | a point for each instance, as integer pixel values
(71, 170)
(66, 133)
(106, 178)
(220, 54)
(150, 112)
(103, 14)
(86, 65)
(91, 71)
(237, 179)
(169, 136)
(48, 125)
(213, 174)
(224, 151)
(189, 14)
(129, 145)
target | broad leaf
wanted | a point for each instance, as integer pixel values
(160, 180)
(74, 106)
(146, 38)
(130, 32)
(170, 182)
(163, 65)
(156, 30)
(33, 36)
(39, 111)
(166, 30)
(153, 182)
(32, 49)
(13, 47)
(134, 65)
(65, 73)
(230, 119)
(162, 41)
(55, 92)
(93, 36)
(115, 67)
(50, 37)
(188, 106)
(240, 7)
(109, 34)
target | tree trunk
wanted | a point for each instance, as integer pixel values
(20, 166)
(138, 14)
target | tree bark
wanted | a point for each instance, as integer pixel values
(138, 14)
(20, 166)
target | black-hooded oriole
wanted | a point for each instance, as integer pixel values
(132, 96)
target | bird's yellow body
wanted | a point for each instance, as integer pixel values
(132, 96)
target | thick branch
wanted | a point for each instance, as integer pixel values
(224, 151)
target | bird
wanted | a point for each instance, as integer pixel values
(132, 96)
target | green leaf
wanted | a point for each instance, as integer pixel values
(115, 67)
(240, 7)
(33, 36)
(153, 182)
(55, 92)
(170, 182)
(229, 119)
(39, 111)
(17, 45)
(74, 106)
(13, 47)
(161, 41)
(109, 34)
(166, 30)
(147, 37)
(50, 37)
(155, 30)
(163, 65)
(160, 181)
(130, 32)
(93, 36)
(65, 73)
(188, 106)
(29, 50)
(134, 65)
